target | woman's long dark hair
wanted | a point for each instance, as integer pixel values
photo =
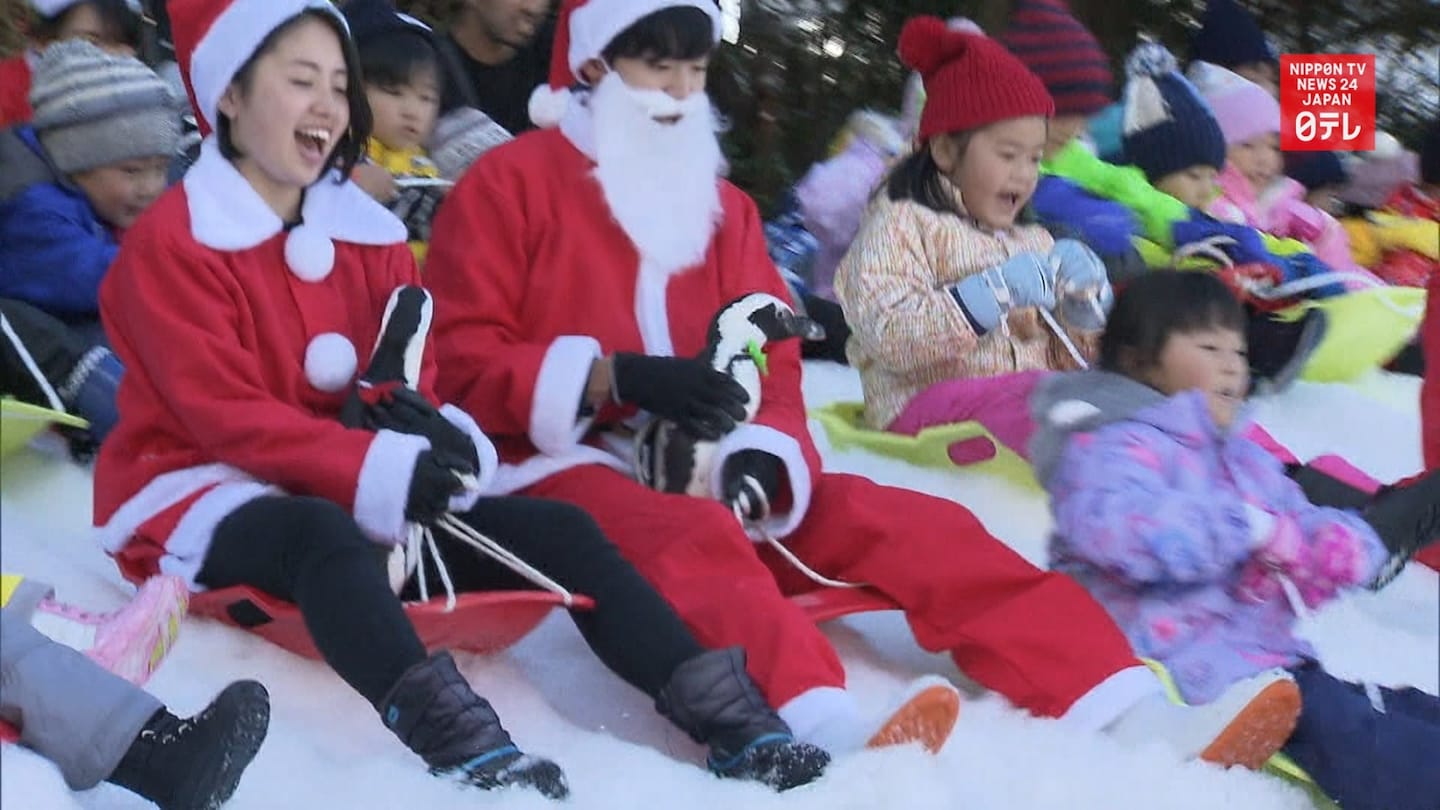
(351, 146)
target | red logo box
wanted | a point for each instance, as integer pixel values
(1327, 102)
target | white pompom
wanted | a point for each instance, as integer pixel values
(330, 362)
(964, 25)
(309, 253)
(1150, 59)
(1071, 412)
(547, 106)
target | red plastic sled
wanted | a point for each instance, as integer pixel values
(828, 604)
(481, 622)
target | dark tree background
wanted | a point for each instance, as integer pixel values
(787, 93)
(800, 67)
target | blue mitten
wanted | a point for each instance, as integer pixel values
(1082, 285)
(1241, 243)
(1024, 280)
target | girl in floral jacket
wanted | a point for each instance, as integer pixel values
(1202, 549)
(949, 297)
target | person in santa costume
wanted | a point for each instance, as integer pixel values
(576, 270)
(248, 453)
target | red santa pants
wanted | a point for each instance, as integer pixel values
(1033, 636)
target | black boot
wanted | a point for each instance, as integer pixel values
(196, 763)
(712, 698)
(433, 710)
(1407, 518)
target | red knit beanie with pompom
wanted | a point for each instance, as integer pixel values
(970, 79)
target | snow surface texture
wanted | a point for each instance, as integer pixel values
(327, 749)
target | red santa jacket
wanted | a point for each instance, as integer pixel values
(240, 341)
(533, 280)
(15, 91)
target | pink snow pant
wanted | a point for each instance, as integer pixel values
(1000, 404)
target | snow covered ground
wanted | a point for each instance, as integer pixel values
(326, 749)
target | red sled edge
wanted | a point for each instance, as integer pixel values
(480, 623)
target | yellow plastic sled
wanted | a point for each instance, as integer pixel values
(845, 425)
(1279, 765)
(1366, 328)
(21, 421)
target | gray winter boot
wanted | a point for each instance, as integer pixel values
(712, 698)
(433, 710)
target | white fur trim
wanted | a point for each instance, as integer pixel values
(233, 38)
(161, 493)
(330, 362)
(384, 485)
(559, 387)
(309, 254)
(484, 449)
(187, 545)
(652, 312)
(1071, 412)
(226, 213)
(787, 449)
(548, 105)
(596, 23)
(1108, 700)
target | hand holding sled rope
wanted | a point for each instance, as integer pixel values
(385, 398)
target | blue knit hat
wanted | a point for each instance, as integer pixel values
(1166, 125)
(1316, 169)
(1230, 37)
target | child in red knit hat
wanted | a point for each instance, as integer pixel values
(950, 297)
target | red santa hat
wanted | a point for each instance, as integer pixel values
(215, 38)
(970, 79)
(584, 30)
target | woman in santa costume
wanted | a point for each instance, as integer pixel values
(248, 454)
(576, 270)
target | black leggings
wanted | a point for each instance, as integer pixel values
(311, 552)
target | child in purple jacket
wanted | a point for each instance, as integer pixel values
(1192, 536)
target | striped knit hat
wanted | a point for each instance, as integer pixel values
(1063, 53)
(93, 109)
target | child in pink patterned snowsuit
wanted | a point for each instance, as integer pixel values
(1191, 534)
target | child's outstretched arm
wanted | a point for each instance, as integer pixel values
(1116, 508)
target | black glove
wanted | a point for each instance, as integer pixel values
(405, 411)
(698, 399)
(764, 468)
(431, 486)
(1407, 518)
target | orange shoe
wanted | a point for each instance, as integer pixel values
(1259, 730)
(926, 716)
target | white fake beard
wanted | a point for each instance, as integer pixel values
(661, 181)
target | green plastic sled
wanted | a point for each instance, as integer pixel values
(21, 421)
(1279, 765)
(845, 425)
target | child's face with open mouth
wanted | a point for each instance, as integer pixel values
(996, 169)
